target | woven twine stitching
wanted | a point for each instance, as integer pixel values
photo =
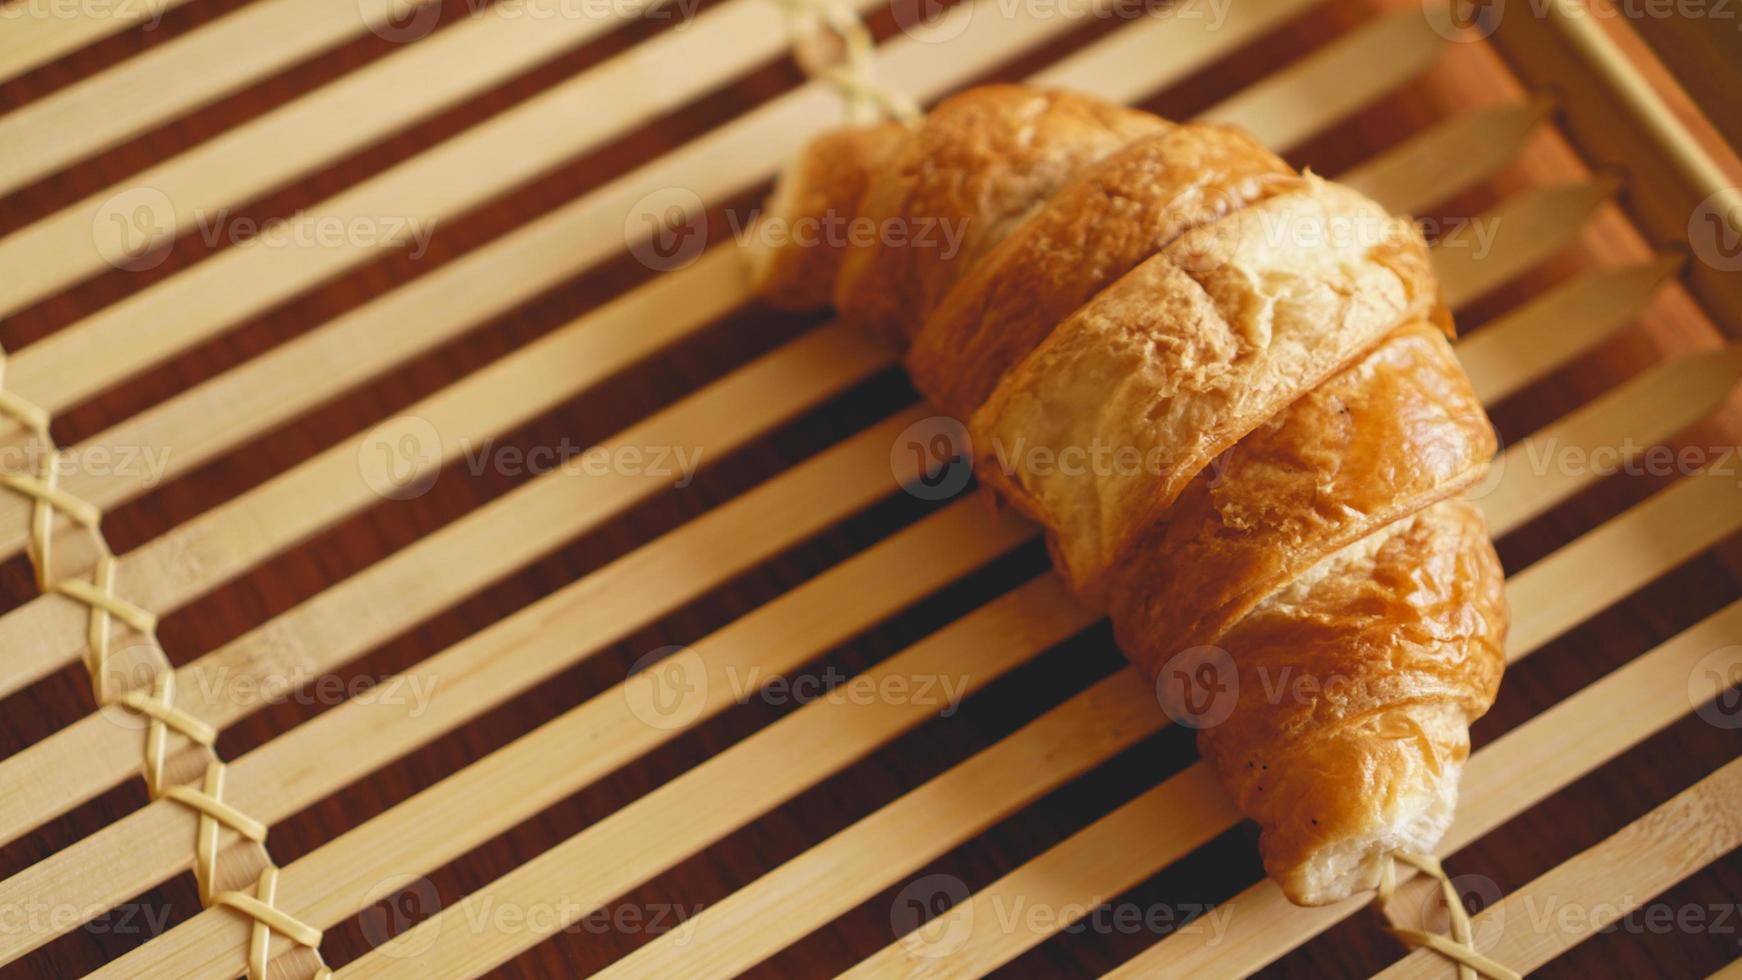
(832, 46)
(48, 498)
(1459, 947)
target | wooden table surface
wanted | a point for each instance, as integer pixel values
(1565, 824)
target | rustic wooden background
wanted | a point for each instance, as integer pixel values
(1568, 822)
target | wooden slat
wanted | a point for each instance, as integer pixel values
(788, 902)
(203, 422)
(1450, 157)
(1610, 881)
(180, 76)
(35, 35)
(738, 931)
(343, 745)
(1565, 322)
(48, 633)
(1663, 531)
(1731, 972)
(1341, 78)
(1607, 435)
(469, 169)
(1535, 225)
(822, 737)
(1515, 772)
(616, 853)
(420, 580)
(389, 94)
(1136, 61)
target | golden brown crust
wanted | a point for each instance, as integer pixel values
(796, 248)
(1396, 431)
(1111, 216)
(977, 166)
(1186, 294)
(1356, 686)
(1187, 353)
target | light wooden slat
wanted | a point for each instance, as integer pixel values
(1342, 77)
(329, 884)
(1535, 224)
(345, 744)
(438, 570)
(1450, 157)
(794, 899)
(177, 436)
(1731, 972)
(1137, 60)
(48, 633)
(1566, 321)
(1515, 772)
(1551, 465)
(613, 856)
(1663, 531)
(394, 92)
(1606, 883)
(1183, 813)
(177, 77)
(467, 170)
(738, 931)
(34, 36)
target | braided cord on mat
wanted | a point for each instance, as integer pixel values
(831, 45)
(94, 588)
(1459, 947)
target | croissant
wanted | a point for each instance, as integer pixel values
(1225, 390)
